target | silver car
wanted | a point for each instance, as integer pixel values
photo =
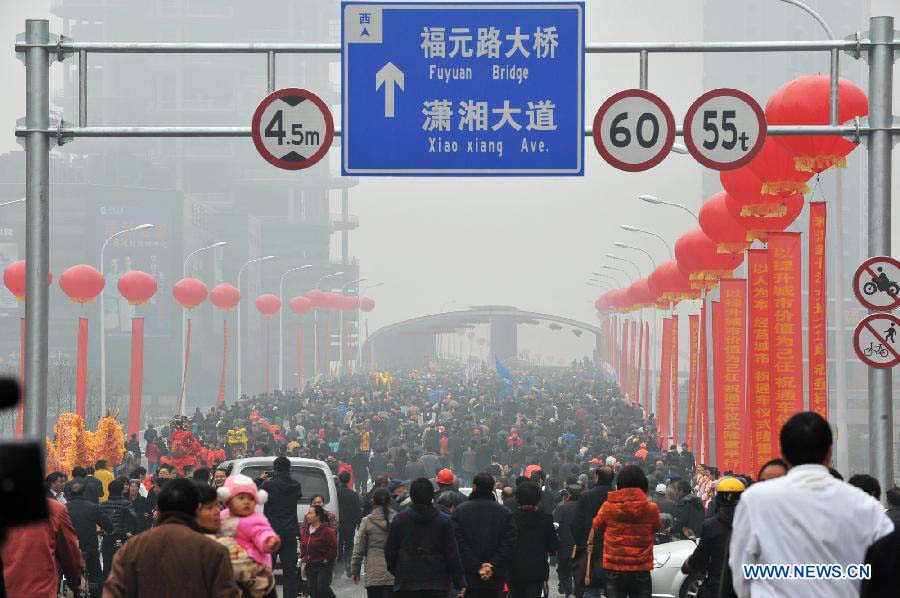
(668, 580)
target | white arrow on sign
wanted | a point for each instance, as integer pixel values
(389, 75)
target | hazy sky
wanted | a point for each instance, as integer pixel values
(527, 242)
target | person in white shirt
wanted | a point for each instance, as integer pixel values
(804, 517)
(55, 482)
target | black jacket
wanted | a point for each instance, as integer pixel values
(548, 502)
(86, 516)
(884, 556)
(121, 515)
(665, 504)
(350, 510)
(537, 539)
(93, 489)
(281, 507)
(564, 515)
(711, 551)
(485, 533)
(588, 504)
(689, 512)
(421, 551)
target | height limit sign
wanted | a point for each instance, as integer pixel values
(292, 128)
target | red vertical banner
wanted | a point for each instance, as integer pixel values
(665, 367)
(81, 368)
(759, 375)
(300, 357)
(733, 298)
(647, 368)
(718, 342)
(785, 334)
(690, 427)
(220, 397)
(818, 369)
(675, 393)
(635, 375)
(187, 358)
(623, 376)
(20, 414)
(703, 391)
(136, 387)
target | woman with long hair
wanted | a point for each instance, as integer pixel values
(318, 550)
(369, 545)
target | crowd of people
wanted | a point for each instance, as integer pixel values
(450, 480)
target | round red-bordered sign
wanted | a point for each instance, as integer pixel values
(875, 294)
(278, 117)
(637, 104)
(873, 343)
(748, 119)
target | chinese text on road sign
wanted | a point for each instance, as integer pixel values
(463, 89)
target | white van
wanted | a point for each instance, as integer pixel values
(314, 476)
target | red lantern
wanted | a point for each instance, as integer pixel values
(806, 101)
(14, 279)
(190, 292)
(81, 283)
(268, 305)
(225, 296)
(300, 305)
(721, 226)
(670, 283)
(317, 298)
(366, 304)
(639, 294)
(774, 166)
(696, 253)
(599, 303)
(137, 287)
(758, 227)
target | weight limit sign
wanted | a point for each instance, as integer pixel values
(292, 128)
(724, 129)
(876, 340)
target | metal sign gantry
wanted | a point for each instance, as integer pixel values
(38, 48)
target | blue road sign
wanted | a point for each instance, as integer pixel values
(462, 89)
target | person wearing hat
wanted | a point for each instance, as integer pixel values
(564, 516)
(712, 547)
(666, 505)
(447, 492)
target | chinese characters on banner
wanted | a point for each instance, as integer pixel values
(759, 396)
(665, 368)
(818, 378)
(703, 392)
(674, 374)
(647, 369)
(785, 335)
(733, 294)
(623, 366)
(636, 363)
(694, 326)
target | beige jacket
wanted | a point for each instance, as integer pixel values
(369, 545)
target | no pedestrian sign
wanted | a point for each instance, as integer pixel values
(876, 340)
(724, 129)
(876, 283)
(462, 88)
(292, 128)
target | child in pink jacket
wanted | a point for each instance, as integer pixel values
(251, 530)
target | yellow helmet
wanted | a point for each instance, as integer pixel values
(730, 485)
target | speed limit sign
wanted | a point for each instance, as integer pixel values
(634, 130)
(292, 128)
(724, 129)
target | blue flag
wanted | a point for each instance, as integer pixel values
(502, 371)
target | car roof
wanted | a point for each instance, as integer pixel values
(270, 460)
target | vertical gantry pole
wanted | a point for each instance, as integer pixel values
(881, 70)
(37, 224)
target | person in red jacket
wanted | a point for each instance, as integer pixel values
(627, 521)
(32, 552)
(318, 547)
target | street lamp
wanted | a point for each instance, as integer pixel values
(316, 319)
(241, 271)
(622, 270)
(613, 256)
(634, 229)
(341, 335)
(358, 318)
(652, 199)
(641, 249)
(281, 324)
(183, 314)
(612, 278)
(102, 309)
(15, 201)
